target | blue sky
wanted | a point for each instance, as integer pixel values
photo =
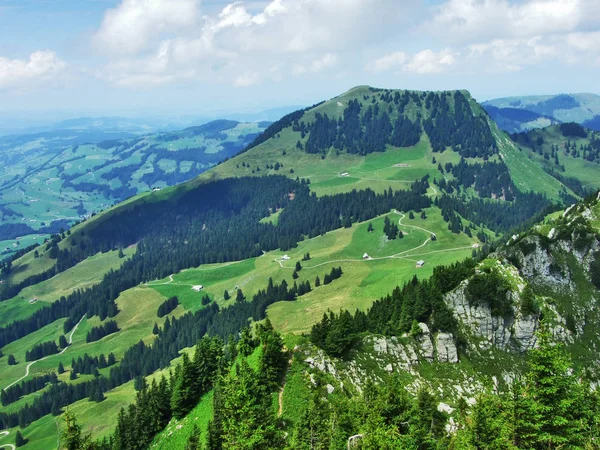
(142, 57)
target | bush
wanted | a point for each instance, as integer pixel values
(490, 290)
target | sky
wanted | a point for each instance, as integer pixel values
(139, 57)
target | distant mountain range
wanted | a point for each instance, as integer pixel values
(50, 179)
(516, 114)
(133, 125)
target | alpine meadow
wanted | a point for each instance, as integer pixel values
(402, 267)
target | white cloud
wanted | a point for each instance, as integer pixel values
(41, 66)
(133, 24)
(164, 41)
(513, 54)
(387, 62)
(428, 61)
(316, 65)
(160, 37)
(247, 79)
(476, 20)
(584, 42)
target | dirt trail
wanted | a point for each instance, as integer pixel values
(402, 255)
(4, 434)
(45, 357)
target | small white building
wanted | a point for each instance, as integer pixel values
(366, 256)
(285, 258)
(198, 288)
(344, 174)
(420, 263)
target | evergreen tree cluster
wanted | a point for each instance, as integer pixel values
(498, 216)
(168, 306)
(391, 230)
(208, 230)
(393, 315)
(194, 378)
(89, 365)
(467, 134)
(97, 333)
(336, 272)
(490, 179)
(16, 391)
(572, 129)
(41, 350)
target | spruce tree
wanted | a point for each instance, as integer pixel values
(246, 344)
(55, 409)
(226, 295)
(183, 397)
(193, 442)
(11, 360)
(72, 438)
(249, 422)
(240, 296)
(556, 394)
(20, 441)
(61, 368)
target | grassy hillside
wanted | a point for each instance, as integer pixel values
(567, 156)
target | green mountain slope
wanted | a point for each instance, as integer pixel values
(568, 152)
(516, 114)
(50, 180)
(372, 182)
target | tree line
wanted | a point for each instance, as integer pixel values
(97, 333)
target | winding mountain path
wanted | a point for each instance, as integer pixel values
(4, 434)
(400, 255)
(46, 357)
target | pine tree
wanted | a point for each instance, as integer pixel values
(62, 342)
(139, 383)
(273, 359)
(370, 229)
(20, 441)
(317, 281)
(246, 344)
(72, 438)
(298, 266)
(555, 393)
(248, 419)
(55, 409)
(183, 396)
(61, 368)
(193, 442)
(11, 360)
(240, 296)
(155, 329)
(72, 375)
(226, 295)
